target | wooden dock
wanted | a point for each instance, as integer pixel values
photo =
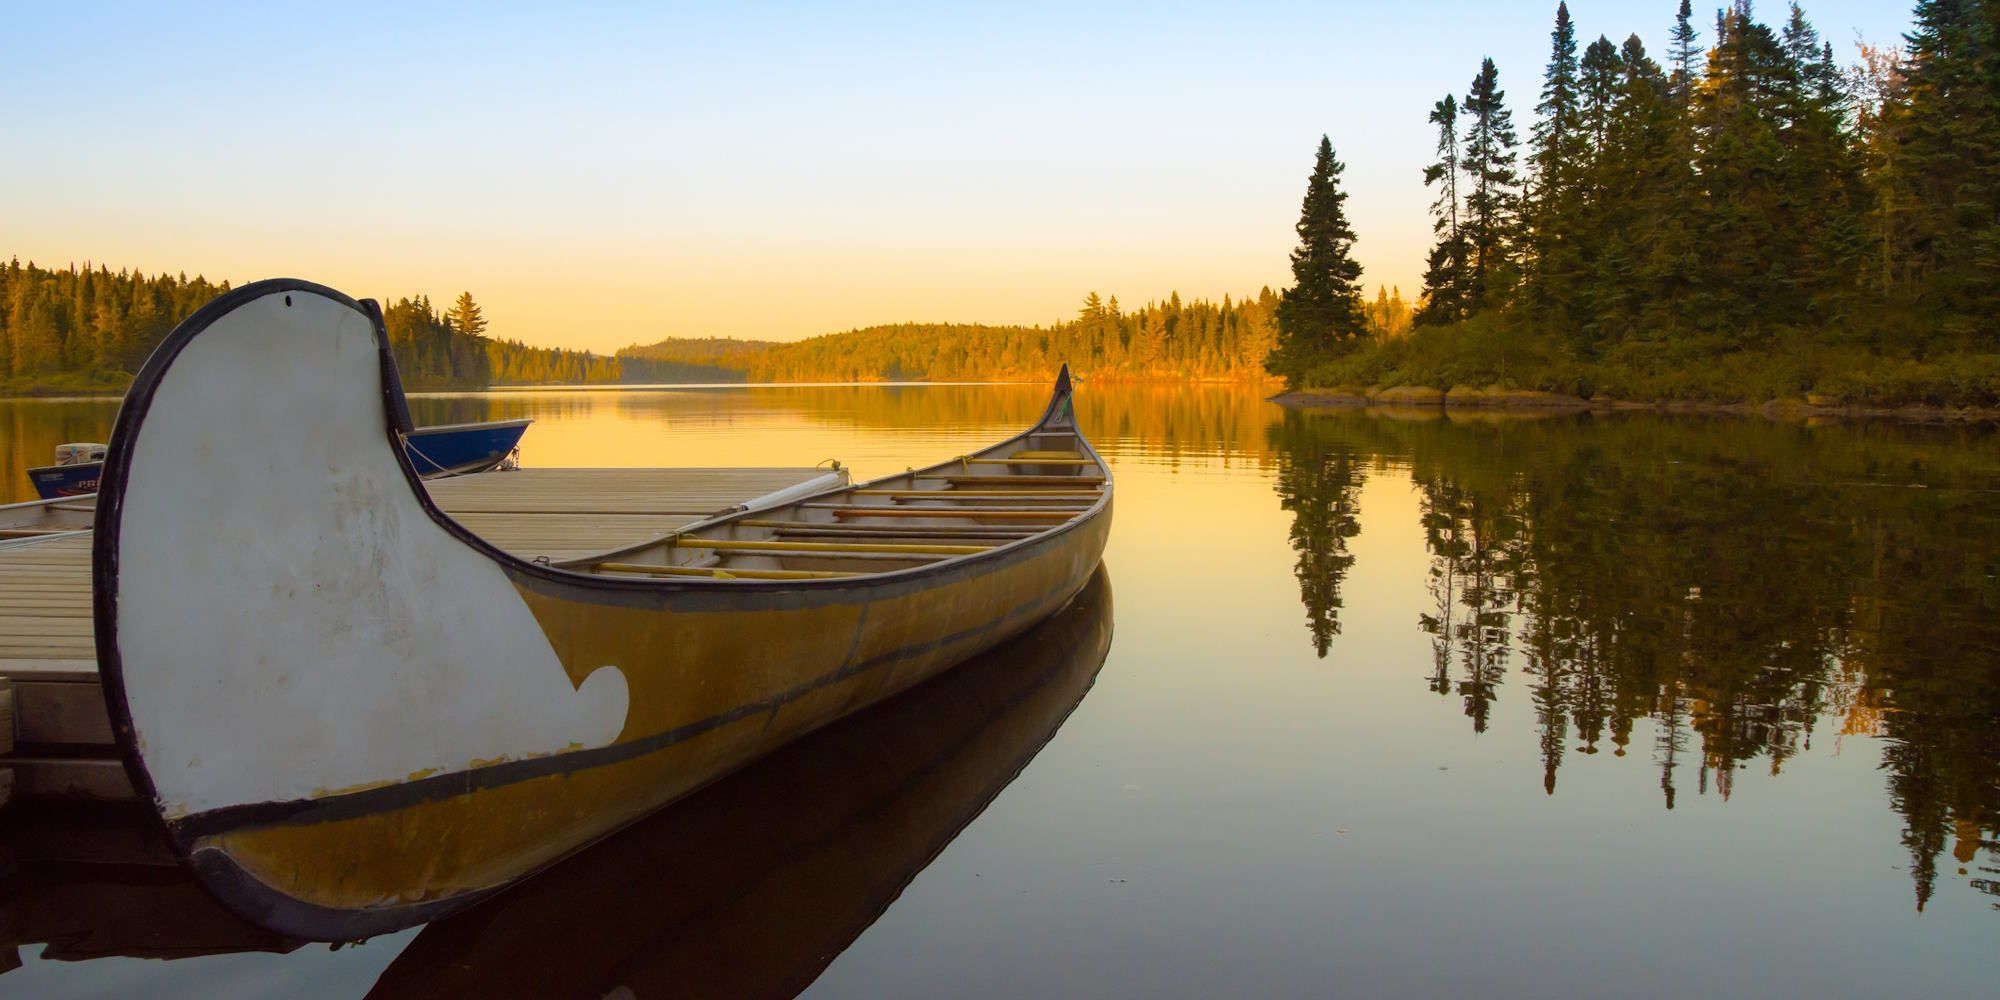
(55, 736)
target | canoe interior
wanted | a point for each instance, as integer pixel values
(1004, 496)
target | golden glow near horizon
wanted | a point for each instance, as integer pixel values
(602, 293)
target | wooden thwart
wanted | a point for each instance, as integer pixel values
(980, 513)
(916, 532)
(939, 531)
(976, 494)
(720, 573)
(970, 480)
(1029, 461)
(730, 544)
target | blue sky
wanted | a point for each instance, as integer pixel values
(599, 175)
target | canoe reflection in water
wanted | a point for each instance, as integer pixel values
(95, 880)
(752, 886)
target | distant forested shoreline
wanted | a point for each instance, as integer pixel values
(1171, 340)
(84, 329)
(87, 329)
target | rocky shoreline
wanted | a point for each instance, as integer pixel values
(1528, 400)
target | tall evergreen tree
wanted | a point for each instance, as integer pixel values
(465, 316)
(1444, 277)
(1750, 271)
(1643, 245)
(1684, 56)
(1491, 205)
(1597, 87)
(1322, 312)
(1553, 261)
(1822, 169)
(1599, 256)
(1882, 119)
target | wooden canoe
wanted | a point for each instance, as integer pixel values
(353, 715)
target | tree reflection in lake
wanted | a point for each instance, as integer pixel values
(1320, 483)
(1745, 586)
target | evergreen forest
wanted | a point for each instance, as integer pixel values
(1739, 218)
(86, 329)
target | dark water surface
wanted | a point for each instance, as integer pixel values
(1397, 704)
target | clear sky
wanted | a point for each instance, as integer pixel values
(602, 175)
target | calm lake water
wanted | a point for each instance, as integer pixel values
(1396, 704)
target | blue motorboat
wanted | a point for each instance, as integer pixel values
(444, 450)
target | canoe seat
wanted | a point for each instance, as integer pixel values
(1069, 455)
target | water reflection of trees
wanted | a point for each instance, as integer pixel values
(1474, 585)
(1320, 483)
(1163, 423)
(1744, 586)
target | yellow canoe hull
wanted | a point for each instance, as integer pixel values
(717, 688)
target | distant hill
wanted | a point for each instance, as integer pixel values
(1161, 341)
(690, 359)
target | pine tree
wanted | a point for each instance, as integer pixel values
(465, 316)
(1822, 177)
(1444, 278)
(1642, 238)
(1553, 261)
(1321, 314)
(1600, 257)
(1488, 160)
(1597, 87)
(1750, 269)
(1684, 55)
(1882, 119)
